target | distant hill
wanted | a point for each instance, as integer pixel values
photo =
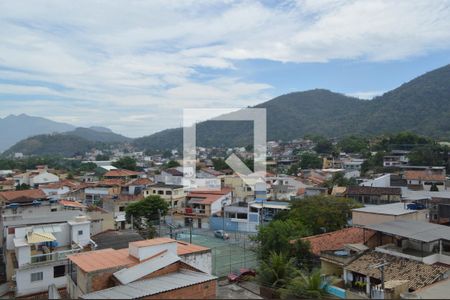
(99, 134)
(421, 105)
(18, 127)
(71, 143)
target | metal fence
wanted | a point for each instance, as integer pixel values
(227, 255)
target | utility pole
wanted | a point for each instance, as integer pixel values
(190, 230)
(159, 221)
(380, 267)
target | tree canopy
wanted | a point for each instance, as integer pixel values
(126, 162)
(145, 213)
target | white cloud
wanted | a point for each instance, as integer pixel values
(133, 65)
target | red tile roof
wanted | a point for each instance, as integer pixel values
(424, 175)
(338, 239)
(22, 196)
(140, 181)
(70, 203)
(208, 197)
(121, 173)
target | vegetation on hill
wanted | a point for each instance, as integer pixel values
(421, 106)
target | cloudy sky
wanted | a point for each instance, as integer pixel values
(134, 65)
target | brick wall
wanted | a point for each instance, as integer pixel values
(206, 290)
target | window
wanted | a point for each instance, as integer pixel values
(121, 208)
(11, 230)
(54, 209)
(38, 276)
(59, 271)
(168, 192)
(80, 232)
(160, 192)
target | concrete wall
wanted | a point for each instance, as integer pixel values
(365, 218)
(206, 290)
(201, 261)
(24, 285)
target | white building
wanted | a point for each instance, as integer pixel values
(38, 254)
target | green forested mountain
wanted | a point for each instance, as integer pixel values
(421, 105)
(69, 143)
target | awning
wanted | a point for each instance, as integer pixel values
(41, 237)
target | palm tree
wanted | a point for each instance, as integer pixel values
(277, 271)
(305, 286)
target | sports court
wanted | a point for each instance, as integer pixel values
(227, 256)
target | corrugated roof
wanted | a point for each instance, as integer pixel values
(102, 259)
(40, 237)
(393, 209)
(70, 203)
(153, 286)
(147, 267)
(416, 230)
(110, 258)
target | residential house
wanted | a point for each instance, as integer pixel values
(201, 205)
(97, 192)
(7, 184)
(173, 194)
(242, 192)
(37, 255)
(152, 269)
(59, 189)
(423, 178)
(439, 210)
(374, 195)
(125, 175)
(363, 275)
(376, 214)
(34, 178)
(338, 248)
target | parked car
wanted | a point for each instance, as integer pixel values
(221, 234)
(239, 276)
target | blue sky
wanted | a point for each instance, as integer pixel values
(133, 66)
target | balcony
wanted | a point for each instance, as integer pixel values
(53, 256)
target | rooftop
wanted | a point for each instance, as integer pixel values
(371, 190)
(419, 274)
(111, 258)
(338, 239)
(424, 175)
(148, 287)
(121, 173)
(393, 209)
(116, 239)
(22, 196)
(416, 230)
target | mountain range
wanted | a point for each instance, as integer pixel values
(421, 105)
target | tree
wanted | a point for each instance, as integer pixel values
(353, 144)
(126, 162)
(22, 187)
(219, 164)
(101, 157)
(143, 214)
(172, 164)
(305, 286)
(277, 237)
(323, 146)
(277, 271)
(322, 213)
(339, 179)
(310, 160)
(304, 258)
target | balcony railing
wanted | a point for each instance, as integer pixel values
(54, 256)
